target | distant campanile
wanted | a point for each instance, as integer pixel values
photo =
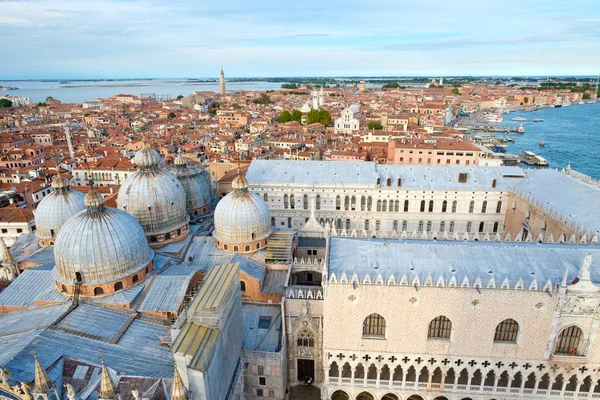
(222, 82)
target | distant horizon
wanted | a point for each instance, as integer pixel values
(53, 79)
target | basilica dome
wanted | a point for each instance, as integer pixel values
(156, 198)
(242, 219)
(102, 249)
(55, 209)
(195, 184)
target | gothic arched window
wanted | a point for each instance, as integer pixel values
(374, 326)
(507, 331)
(499, 207)
(568, 341)
(484, 207)
(439, 328)
(305, 339)
(318, 202)
(471, 206)
(444, 205)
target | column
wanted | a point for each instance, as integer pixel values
(496, 377)
(510, 379)
(537, 384)
(564, 386)
(352, 377)
(403, 378)
(442, 382)
(577, 386)
(429, 379)
(378, 376)
(327, 374)
(340, 370)
(523, 381)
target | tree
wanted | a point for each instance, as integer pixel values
(324, 117)
(456, 92)
(5, 103)
(40, 104)
(376, 125)
(587, 96)
(171, 115)
(284, 117)
(49, 98)
(313, 116)
(262, 99)
(180, 97)
(289, 86)
(297, 115)
(525, 99)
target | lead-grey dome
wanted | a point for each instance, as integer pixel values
(242, 217)
(154, 196)
(56, 208)
(195, 184)
(102, 244)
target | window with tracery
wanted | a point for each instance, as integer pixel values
(507, 331)
(305, 338)
(374, 325)
(568, 341)
(439, 328)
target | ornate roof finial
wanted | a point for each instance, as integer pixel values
(93, 200)
(42, 382)
(107, 387)
(178, 391)
(584, 271)
(565, 277)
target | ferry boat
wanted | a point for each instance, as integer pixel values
(542, 143)
(531, 158)
(557, 105)
(521, 129)
(537, 119)
(519, 119)
(493, 118)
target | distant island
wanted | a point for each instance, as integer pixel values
(8, 88)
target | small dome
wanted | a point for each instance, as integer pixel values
(146, 157)
(242, 218)
(56, 208)
(155, 198)
(101, 245)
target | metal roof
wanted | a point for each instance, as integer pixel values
(197, 342)
(279, 247)
(262, 339)
(169, 288)
(274, 281)
(346, 173)
(33, 284)
(471, 260)
(215, 285)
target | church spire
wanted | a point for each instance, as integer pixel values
(42, 382)
(178, 390)
(222, 89)
(108, 390)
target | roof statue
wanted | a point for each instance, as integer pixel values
(583, 282)
(108, 391)
(178, 391)
(42, 381)
(312, 226)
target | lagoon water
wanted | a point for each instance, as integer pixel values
(572, 136)
(80, 91)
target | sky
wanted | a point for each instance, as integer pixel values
(258, 38)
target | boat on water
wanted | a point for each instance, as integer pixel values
(542, 143)
(520, 129)
(493, 117)
(506, 139)
(537, 119)
(557, 105)
(498, 148)
(530, 158)
(519, 119)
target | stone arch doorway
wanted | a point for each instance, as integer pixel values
(365, 396)
(389, 396)
(340, 395)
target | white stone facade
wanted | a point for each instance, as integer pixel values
(349, 120)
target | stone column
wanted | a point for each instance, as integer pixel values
(537, 384)
(577, 386)
(496, 377)
(327, 374)
(523, 381)
(564, 386)
(429, 379)
(403, 378)
(378, 376)
(352, 376)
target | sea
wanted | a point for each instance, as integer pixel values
(78, 91)
(572, 136)
(572, 133)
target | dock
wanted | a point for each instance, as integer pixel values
(488, 128)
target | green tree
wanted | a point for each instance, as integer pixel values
(171, 115)
(297, 115)
(40, 104)
(525, 99)
(324, 117)
(5, 103)
(284, 117)
(180, 97)
(587, 96)
(376, 125)
(49, 98)
(313, 116)
(262, 99)
(289, 86)
(456, 92)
